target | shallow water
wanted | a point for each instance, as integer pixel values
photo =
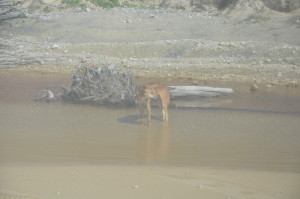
(243, 130)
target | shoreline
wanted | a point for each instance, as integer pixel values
(266, 78)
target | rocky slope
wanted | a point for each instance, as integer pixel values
(231, 44)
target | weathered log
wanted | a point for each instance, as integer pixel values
(202, 88)
(199, 91)
(45, 96)
(9, 10)
(108, 85)
(181, 93)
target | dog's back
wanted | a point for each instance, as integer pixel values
(153, 91)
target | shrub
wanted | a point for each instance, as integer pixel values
(76, 3)
(106, 4)
(47, 9)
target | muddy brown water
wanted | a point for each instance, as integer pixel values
(245, 130)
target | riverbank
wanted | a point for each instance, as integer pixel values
(196, 46)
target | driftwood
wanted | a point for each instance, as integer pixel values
(196, 91)
(107, 85)
(46, 96)
(100, 85)
(9, 10)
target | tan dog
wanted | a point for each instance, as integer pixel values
(153, 91)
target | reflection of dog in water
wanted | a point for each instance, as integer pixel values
(154, 144)
(153, 91)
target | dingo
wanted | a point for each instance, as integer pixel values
(152, 91)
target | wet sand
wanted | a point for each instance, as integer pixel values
(100, 181)
(247, 147)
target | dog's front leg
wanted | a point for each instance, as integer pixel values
(142, 114)
(149, 111)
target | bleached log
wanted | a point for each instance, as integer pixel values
(200, 91)
(46, 96)
(9, 10)
(202, 88)
(182, 93)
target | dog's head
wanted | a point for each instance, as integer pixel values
(150, 93)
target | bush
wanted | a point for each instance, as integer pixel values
(76, 3)
(225, 3)
(47, 9)
(106, 4)
(130, 5)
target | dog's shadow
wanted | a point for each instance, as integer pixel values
(135, 119)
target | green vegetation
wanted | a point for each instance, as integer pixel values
(75, 3)
(47, 9)
(130, 5)
(61, 8)
(106, 4)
